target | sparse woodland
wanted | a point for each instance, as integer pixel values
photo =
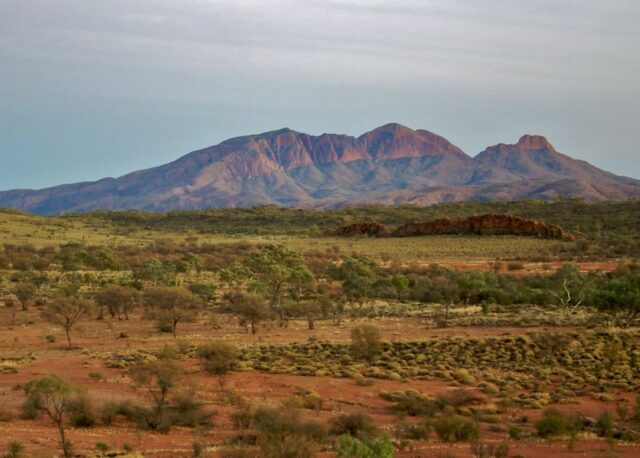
(238, 333)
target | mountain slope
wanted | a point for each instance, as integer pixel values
(391, 164)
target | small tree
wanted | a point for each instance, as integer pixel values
(117, 300)
(278, 273)
(25, 292)
(310, 309)
(67, 312)
(219, 359)
(159, 378)
(249, 308)
(172, 305)
(569, 287)
(53, 396)
(620, 297)
(357, 276)
(365, 341)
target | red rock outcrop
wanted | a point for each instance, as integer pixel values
(482, 224)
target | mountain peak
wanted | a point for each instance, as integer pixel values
(534, 142)
(395, 141)
(392, 127)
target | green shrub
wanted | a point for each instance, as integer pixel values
(14, 449)
(515, 433)
(219, 359)
(108, 412)
(417, 432)
(605, 424)
(82, 413)
(485, 450)
(365, 342)
(351, 447)
(242, 417)
(198, 449)
(95, 375)
(284, 434)
(450, 428)
(552, 424)
(359, 425)
(411, 403)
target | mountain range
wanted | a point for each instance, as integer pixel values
(392, 164)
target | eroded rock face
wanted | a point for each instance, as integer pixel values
(482, 224)
(478, 224)
(367, 228)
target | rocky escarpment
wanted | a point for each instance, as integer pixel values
(488, 224)
(482, 224)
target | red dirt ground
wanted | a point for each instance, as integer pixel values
(340, 395)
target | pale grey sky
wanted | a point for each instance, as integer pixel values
(100, 88)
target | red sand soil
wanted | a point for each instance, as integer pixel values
(340, 395)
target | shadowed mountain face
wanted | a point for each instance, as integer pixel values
(389, 165)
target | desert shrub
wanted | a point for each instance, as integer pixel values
(312, 401)
(242, 417)
(14, 449)
(284, 434)
(515, 433)
(411, 403)
(605, 424)
(219, 359)
(197, 449)
(416, 432)
(622, 409)
(365, 341)
(486, 450)
(186, 410)
(630, 436)
(362, 380)
(450, 428)
(29, 409)
(102, 447)
(108, 412)
(82, 413)
(458, 398)
(352, 447)
(552, 424)
(95, 376)
(359, 425)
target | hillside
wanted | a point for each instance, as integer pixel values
(388, 165)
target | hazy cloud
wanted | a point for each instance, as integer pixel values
(104, 87)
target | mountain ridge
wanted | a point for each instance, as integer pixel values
(391, 164)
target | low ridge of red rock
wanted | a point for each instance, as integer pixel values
(487, 224)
